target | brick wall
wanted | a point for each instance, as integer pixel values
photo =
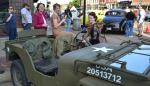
(144, 2)
(17, 4)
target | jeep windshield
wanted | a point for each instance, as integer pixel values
(137, 61)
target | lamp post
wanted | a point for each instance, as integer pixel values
(84, 12)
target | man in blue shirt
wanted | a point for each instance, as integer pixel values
(130, 16)
(11, 24)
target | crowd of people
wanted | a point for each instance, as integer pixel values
(39, 21)
(131, 17)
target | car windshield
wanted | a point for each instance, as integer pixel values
(114, 13)
(137, 61)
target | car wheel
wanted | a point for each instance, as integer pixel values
(123, 27)
(18, 74)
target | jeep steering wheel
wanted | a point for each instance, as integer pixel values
(80, 43)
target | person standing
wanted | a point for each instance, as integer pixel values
(130, 16)
(68, 15)
(39, 17)
(48, 15)
(48, 12)
(140, 20)
(11, 23)
(61, 37)
(26, 17)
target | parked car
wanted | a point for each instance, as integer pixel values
(104, 64)
(115, 20)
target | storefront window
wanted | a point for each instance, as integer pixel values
(4, 4)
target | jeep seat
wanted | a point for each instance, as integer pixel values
(40, 50)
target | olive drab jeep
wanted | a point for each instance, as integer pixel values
(104, 64)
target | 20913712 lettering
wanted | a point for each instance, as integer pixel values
(104, 73)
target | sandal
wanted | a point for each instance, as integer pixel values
(140, 35)
(137, 34)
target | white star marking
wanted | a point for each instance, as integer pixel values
(103, 49)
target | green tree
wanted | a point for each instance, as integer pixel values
(75, 3)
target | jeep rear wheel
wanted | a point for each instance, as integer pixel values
(18, 74)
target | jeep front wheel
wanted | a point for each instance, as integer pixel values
(18, 74)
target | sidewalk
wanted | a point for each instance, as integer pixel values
(144, 34)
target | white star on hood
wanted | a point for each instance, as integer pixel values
(103, 49)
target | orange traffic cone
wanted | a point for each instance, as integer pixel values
(147, 29)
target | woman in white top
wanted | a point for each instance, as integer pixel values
(140, 20)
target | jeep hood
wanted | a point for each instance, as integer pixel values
(88, 61)
(88, 52)
(93, 53)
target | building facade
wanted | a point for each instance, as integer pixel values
(110, 4)
(17, 4)
(92, 4)
(141, 2)
(124, 3)
(97, 4)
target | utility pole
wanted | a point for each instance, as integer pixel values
(84, 12)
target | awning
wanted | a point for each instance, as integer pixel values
(123, 0)
(144, 3)
(134, 3)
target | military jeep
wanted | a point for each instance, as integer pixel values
(104, 64)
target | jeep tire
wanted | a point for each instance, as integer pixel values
(18, 74)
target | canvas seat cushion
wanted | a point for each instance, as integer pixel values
(38, 48)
